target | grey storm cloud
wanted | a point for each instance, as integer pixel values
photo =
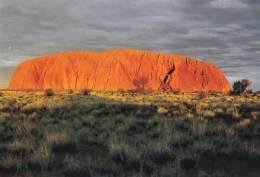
(223, 32)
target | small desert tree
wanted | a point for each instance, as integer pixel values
(241, 86)
(49, 92)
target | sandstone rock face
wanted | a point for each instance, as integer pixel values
(118, 70)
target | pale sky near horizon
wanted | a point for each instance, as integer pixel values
(222, 32)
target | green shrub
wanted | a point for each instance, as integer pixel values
(86, 91)
(241, 86)
(202, 95)
(49, 92)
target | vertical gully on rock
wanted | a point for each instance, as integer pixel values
(75, 70)
(165, 84)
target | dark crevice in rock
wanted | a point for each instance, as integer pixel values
(188, 61)
(166, 81)
(171, 71)
(202, 73)
(139, 67)
(168, 74)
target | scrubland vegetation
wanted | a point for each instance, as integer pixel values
(103, 134)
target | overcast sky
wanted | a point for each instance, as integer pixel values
(223, 32)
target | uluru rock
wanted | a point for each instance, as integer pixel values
(118, 70)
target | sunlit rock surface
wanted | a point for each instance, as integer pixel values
(118, 70)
